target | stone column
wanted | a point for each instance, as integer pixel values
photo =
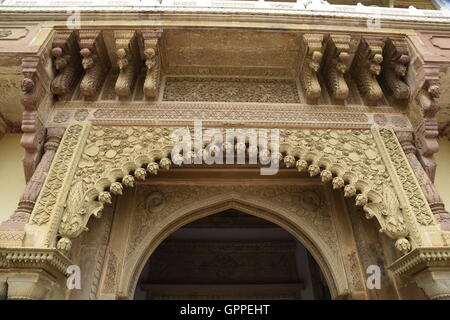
(434, 199)
(429, 267)
(11, 231)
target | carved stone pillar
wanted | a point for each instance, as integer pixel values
(11, 231)
(427, 130)
(428, 188)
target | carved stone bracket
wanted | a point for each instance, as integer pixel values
(366, 67)
(336, 63)
(394, 69)
(128, 60)
(95, 61)
(67, 63)
(311, 57)
(33, 132)
(152, 63)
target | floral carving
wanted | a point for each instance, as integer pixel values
(128, 60)
(55, 178)
(113, 157)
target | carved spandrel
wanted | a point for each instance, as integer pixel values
(431, 194)
(366, 67)
(311, 57)
(337, 59)
(152, 63)
(95, 62)
(128, 61)
(67, 62)
(394, 69)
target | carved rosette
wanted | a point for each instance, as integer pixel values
(152, 63)
(95, 62)
(366, 67)
(336, 62)
(128, 61)
(394, 69)
(66, 60)
(312, 56)
(369, 166)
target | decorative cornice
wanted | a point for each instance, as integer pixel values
(420, 259)
(152, 63)
(295, 10)
(50, 260)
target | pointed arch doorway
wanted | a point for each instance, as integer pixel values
(231, 255)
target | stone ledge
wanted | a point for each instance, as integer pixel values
(50, 260)
(419, 260)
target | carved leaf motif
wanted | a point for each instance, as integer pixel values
(391, 202)
(71, 223)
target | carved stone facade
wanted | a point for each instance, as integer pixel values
(358, 115)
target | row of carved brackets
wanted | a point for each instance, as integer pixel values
(73, 49)
(377, 64)
(369, 60)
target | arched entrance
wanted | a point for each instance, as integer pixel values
(154, 212)
(231, 255)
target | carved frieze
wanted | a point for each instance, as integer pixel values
(366, 67)
(230, 90)
(369, 165)
(32, 127)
